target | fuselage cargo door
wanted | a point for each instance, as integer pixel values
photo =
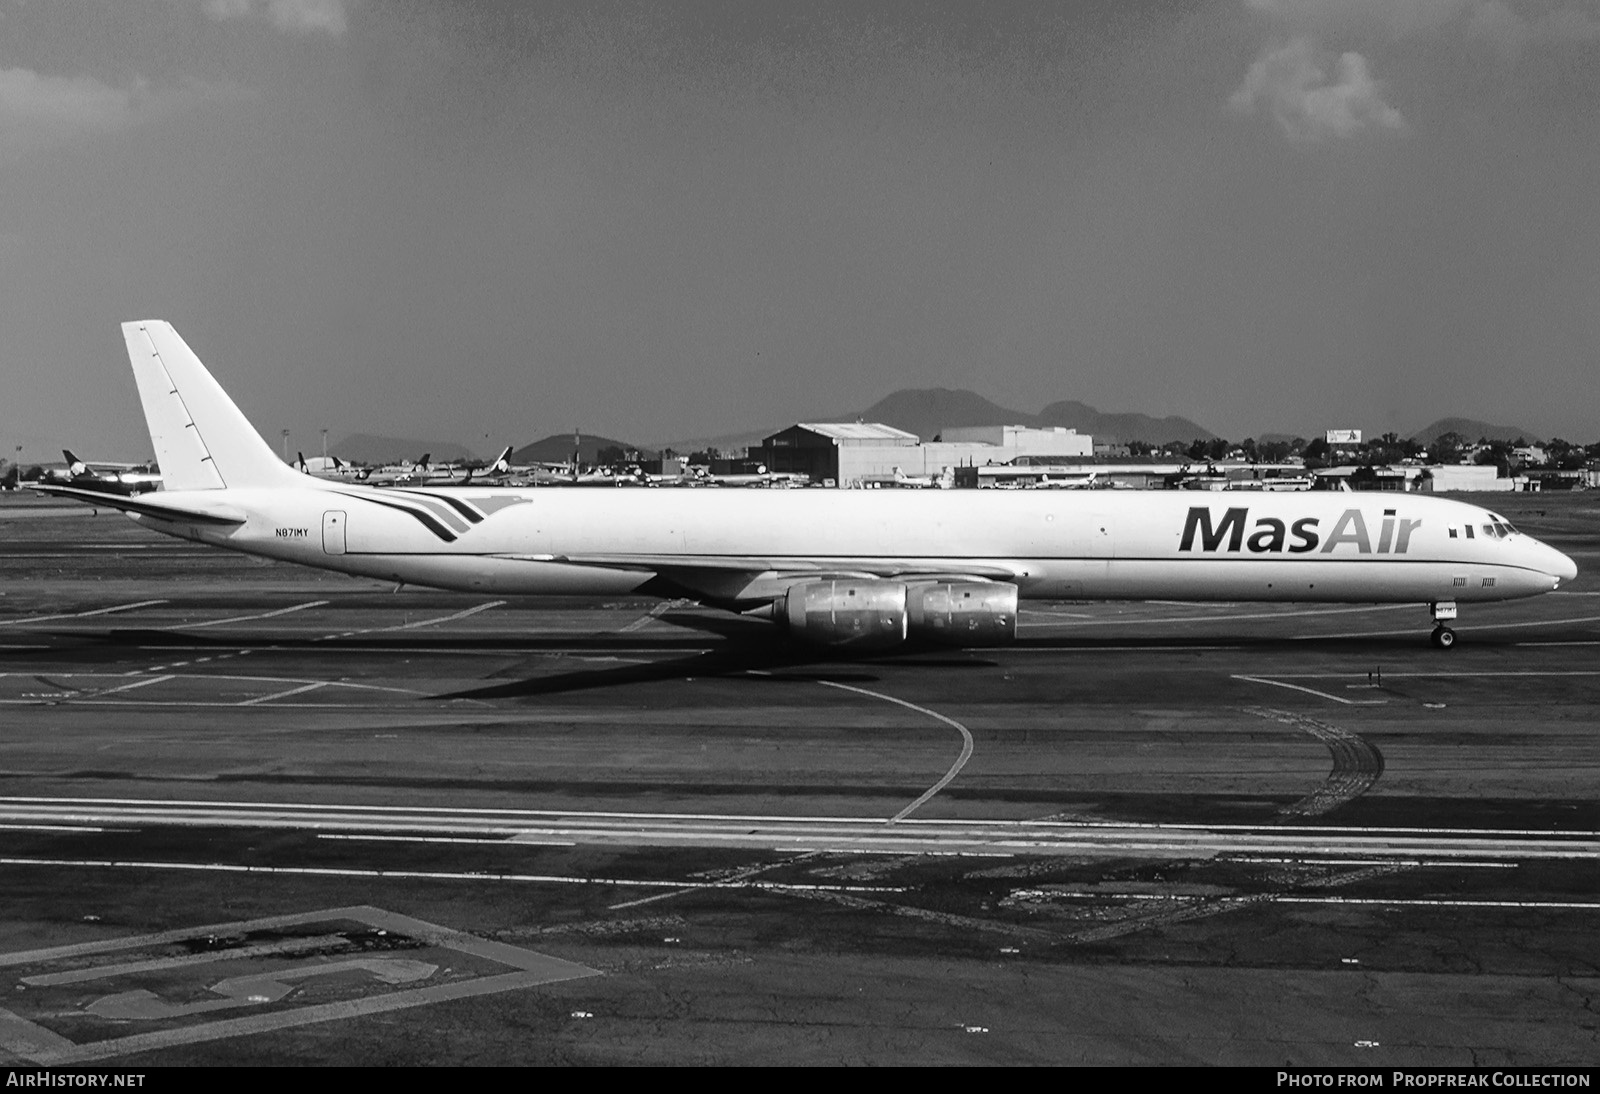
(333, 533)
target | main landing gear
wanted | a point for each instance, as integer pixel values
(1443, 637)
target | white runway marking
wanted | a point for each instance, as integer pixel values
(412, 626)
(432, 622)
(129, 687)
(229, 677)
(649, 617)
(80, 615)
(284, 694)
(246, 618)
(860, 835)
(39, 1045)
(445, 875)
(1311, 691)
(1408, 902)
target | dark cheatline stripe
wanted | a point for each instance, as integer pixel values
(457, 504)
(444, 513)
(427, 520)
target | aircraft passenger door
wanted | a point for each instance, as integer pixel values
(333, 533)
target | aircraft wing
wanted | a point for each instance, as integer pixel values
(744, 577)
(212, 513)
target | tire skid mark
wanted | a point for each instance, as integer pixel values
(1357, 764)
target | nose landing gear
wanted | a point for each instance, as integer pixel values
(1443, 638)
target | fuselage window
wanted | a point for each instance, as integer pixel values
(1468, 527)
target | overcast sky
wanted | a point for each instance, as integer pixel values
(490, 222)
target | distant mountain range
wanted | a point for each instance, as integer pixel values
(1472, 429)
(930, 410)
(923, 411)
(558, 448)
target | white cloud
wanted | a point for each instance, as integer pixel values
(1291, 84)
(291, 16)
(31, 104)
(36, 109)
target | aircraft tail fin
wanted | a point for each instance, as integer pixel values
(75, 465)
(202, 440)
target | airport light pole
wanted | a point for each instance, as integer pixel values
(285, 433)
(324, 446)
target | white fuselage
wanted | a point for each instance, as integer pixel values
(1078, 544)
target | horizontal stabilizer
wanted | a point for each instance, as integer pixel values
(218, 514)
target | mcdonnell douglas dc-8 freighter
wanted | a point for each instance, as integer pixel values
(858, 569)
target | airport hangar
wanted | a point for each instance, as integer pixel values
(853, 453)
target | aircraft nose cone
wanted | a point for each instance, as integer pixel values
(1564, 567)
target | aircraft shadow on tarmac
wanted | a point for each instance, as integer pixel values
(753, 650)
(750, 648)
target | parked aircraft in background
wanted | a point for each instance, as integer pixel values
(1068, 482)
(422, 473)
(105, 476)
(331, 468)
(857, 569)
(760, 477)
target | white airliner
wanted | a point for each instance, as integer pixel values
(862, 569)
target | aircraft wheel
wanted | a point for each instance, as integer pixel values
(1443, 638)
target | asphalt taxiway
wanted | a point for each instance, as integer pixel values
(252, 813)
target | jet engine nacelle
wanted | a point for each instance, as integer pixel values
(876, 615)
(857, 614)
(972, 613)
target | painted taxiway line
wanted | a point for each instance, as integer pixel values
(232, 678)
(80, 615)
(1311, 691)
(955, 768)
(244, 618)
